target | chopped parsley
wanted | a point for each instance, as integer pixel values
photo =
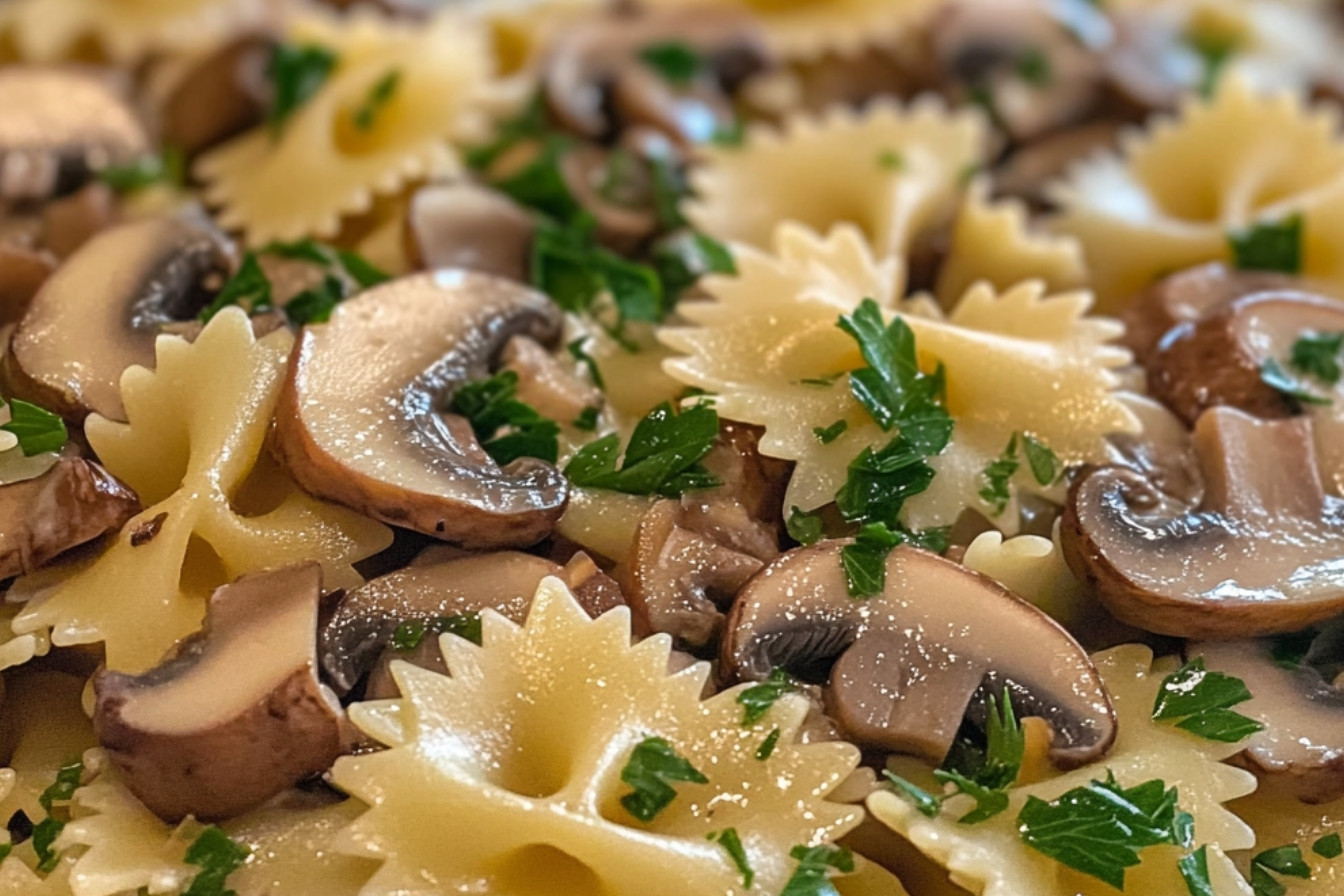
(804, 528)
(248, 288)
(315, 304)
(675, 62)
(1100, 827)
(1284, 860)
(865, 559)
(997, 474)
(579, 353)
(1269, 246)
(38, 430)
(890, 160)
(812, 876)
(1317, 354)
(45, 832)
(1194, 869)
(1201, 700)
(410, 634)
(506, 427)
(218, 856)
(297, 72)
(528, 123)
(685, 257)
(1214, 51)
(1044, 463)
(733, 134)
(757, 699)
(1033, 67)
(63, 788)
(767, 747)
(380, 94)
(567, 264)
(345, 274)
(828, 434)
(891, 387)
(1328, 847)
(662, 457)
(652, 764)
(924, 802)
(167, 167)
(732, 844)
(587, 419)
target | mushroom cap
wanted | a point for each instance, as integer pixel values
(1303, 715)
(463, 225)
(909, 660)
(1259, 554)
(236, 714)
(219, 95)
(23, 270)
(60, 126)
(1217, 360)
(359, 420)
(101, 311)
(74, 502)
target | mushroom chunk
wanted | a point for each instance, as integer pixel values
(23, 270)
(1218, 359)
(101, 311)
(236, 714)
(219, 95)
(461, 225)
(60, 126)
(74, 502)
(359, 418)
(364, 622)
(1259, 553)
(908, 661)
(1303, 714)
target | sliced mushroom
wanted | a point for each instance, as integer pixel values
(236, 714)
(615, 188)
(462, 225)
(60, 126)
(74, 502)
(73, 220)
(359, 417)
(545, 384)
(102, 310)
(1187, 296)
(219, 95)
(590, 58)
(23, 270)
(1259, 554)
(1303, 715)
(366, 619)
(907, 662)
(1162, 450)
(1029, 171)
(1151, 66)
(1218, 359)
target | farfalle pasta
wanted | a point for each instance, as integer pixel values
(327, 162)
(894, 172)
(1183, 190)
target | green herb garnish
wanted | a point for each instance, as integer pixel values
(248, 288)
(297, 72)
(812, 876)
(890, 160)
(997, 474)
(675, 62)
(732, 844)
(662, 457)
(1317, 354)
(218, 856)
(865, 559)
(168, 167)
(804, 528)
(379, 95)
(37, 430)
(652, 764)
(410, 634)
(1328, 847)
(828, 434)
(1273, 375)
(579, 353)
(1202, 702)
(1033, 67)
(1269, 246)
(757, 699)
(1044, 463)
(506, 427)
(767, 747)
(1194, 869)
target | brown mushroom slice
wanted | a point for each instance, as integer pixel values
(359, 417)
(1259, 554)
(219, 95)
(545, 384)
(236, 714)
(71, 221)
(60, 126)
(908, 661)
(73, 503)
(101, 311)
(596, 181)
(23, 270)
(1029, 171)
(1303, 715)
(462, 225)
(1218, 360)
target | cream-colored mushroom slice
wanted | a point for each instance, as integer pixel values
(103, 308)
(908, 662)
(463, 225)
(365, 620)
(236, 714)
(1260, 554)
(60, 126)
(360, 419)
(1303, 714)
(1219, 359)
(72, 503)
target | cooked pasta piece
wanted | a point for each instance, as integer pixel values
(1280, 819)
(991, 859)
(529, 775)
(216, 507)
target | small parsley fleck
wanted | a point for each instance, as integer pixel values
(828, 434)
(757, 700)
(675, 62)
(767, 747)
(1269, 246)
(38, 430)
(1328, 847)
(375, 101)
(812, 876)
(652, 764)
(296, 72)
(218, 856)
(1317, 354)
(804, 528)
(732, 844)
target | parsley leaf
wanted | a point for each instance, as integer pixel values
(379, 95)
(757, 699)
(579, 353)
(989, 801)
(297, 72)
(675, 62)
(1202, 701)
(169, 166)
(732, 844)
(662, 457)
(218, 856)
(529, 122)
(587, 419)
(683, 258)
(812, 877)
(410, 634)
(1033, 67)
(1273, 375)
(767, 747)
(1317, 354)
(248, 287)
(1044, 463)
(1328, 847)
(315, 304)
(38, 430)
(865, 559)
(828, 434)
(997, 474)
(566, 265)
(652, 764)
(926, 803)
(63, 788)
(891, 387)
(1005, 745)
(1194, 869)
(506, 427)
(1285, 860)
(804, 528)
(45, 833)
(1099, 828)
(1269, 246)
(1215, 51)
(890, 160)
